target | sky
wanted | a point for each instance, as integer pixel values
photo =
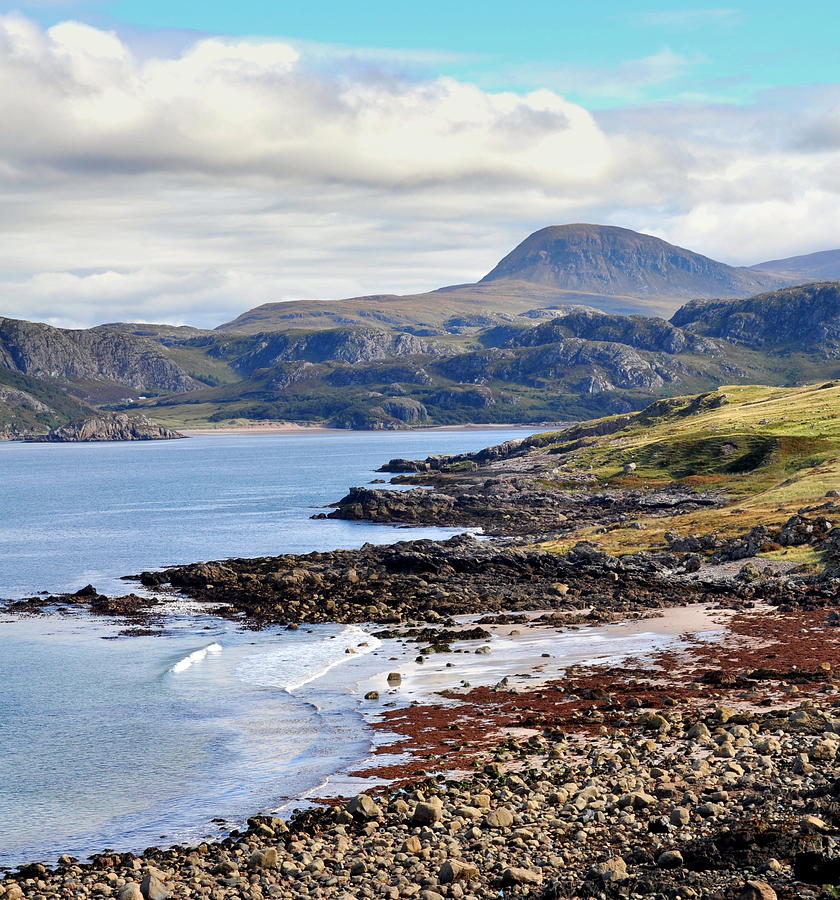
(182, 162)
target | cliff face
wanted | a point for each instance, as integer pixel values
(640, 332)
(804, 318)
(104, 427)
(348, 345)
(45, 352)
(609, 260)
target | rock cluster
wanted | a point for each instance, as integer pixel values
(109, 427)
(513, 506)
(427, 580)
(696, 802)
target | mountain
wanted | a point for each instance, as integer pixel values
(805, 318)
(822, 266)
(51, 376)
(612, 269)
(553, 332)
(33, 405)
(544, 365)
(609, 260)
(93, 361)
(457, 309)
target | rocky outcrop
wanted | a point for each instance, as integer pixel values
(387, 374)
(640, 332)
(804, 318)
(120, 427)
(425, 580)
(348, 345)
(45, 352)
(511, 505)
(22, 400)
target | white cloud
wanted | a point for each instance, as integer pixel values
(190, 186)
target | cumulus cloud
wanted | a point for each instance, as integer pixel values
(191, 185)
(81, 100)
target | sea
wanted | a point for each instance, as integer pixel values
(121, 743)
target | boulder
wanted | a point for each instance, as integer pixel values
(669, 859)
(412, 845)
(363, 806)
(427, 813)
(455, 870)
(757, 890)
(499, 818)
(514, 875)
(263, 859)
(130, 891)
(153, 886)
(610, 871)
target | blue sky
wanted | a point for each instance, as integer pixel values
(604, 53)
(185, 161)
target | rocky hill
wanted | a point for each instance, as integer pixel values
(610, 260)
(822, 266)
(795, 319)
(612, 269)
(32, 405)
(544, 365)
(527, 344)
(89, 355)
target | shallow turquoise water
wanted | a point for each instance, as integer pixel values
(101, 743)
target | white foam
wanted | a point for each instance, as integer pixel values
(299, 662)
(196, 656)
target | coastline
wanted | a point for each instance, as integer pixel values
(475, 781)
(482, 759)
(306, 428)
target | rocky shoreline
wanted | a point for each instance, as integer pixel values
(693, 775)
(710, 774)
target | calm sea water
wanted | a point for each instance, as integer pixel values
(128, 742)
(77, 513)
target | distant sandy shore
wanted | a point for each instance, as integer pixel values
(303, 428)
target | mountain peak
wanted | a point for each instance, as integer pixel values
(614, 260)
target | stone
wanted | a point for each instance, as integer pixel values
(153, 887)
(362, 806)
(679, 816)
(637, 800)
(610, 871)
(263, 859)
(514, 875)
(824, 751)
(130, 891)
(454, 870)
(698, 732)
(669, 859)
(412, 845)
(499, 818)
(427, 813)
(372, 695)
(757, 890)
(814, 825)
